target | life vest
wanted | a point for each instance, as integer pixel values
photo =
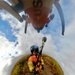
(33, 61)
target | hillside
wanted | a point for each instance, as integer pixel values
(51, 67)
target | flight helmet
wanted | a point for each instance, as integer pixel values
(34, 48)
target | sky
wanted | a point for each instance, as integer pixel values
(14, 43)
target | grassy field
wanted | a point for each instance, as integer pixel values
(51, 67)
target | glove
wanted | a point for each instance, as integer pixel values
(42, 67)
(35, 72)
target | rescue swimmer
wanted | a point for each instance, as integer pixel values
(35, 64)
(35, 61)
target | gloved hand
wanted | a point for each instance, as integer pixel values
(42, 67)
(35, 72)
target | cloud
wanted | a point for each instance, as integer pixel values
(67, 52)
(9, 52)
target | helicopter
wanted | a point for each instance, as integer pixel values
(36, 12)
